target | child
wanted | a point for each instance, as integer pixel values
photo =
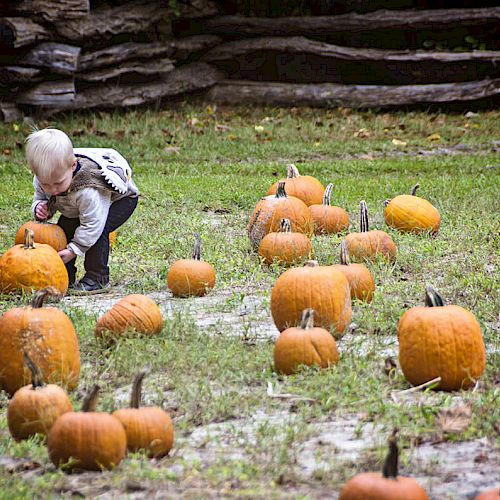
(93, 190)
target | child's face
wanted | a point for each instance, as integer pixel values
(59, 181)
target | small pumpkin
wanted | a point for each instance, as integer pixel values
(134, 312)
(285, 247)
(87, 440)
(321, 288)
(191, 277)
(370, 244)
(359, 276)
(412, 214)
(440, 341)
(44, 232)
(112, 240)
(49, 338)
(267, 214)
(493, 494)
(147, 428)
(329, 219)
(386, 485)
(31, 266)
(304, 345)
(35, 407)
(304, 187)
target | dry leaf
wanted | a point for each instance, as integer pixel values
(221, 128)
(172, 150)
(259, 128)
(317, 144)
(120, 134)
(7, 152)
(194, 122)
(232, 137)
(398, 142)
(362, 133)
(454, 420)
(367, 156)
(434, 137)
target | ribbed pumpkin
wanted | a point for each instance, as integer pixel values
(304, 345)
(87, 440)
(359, 276)
(321, 288)
(44, 232)
(328, 219)
(412, 214)
(35, 407)
(493, 494)
(32, 266)
(147, 428)
(269, 211)
(440, 341)
(386, 485)
(191, 277)
(304, 187)
(134, 312)
(285, 247)
(369, 244)
(49, 338)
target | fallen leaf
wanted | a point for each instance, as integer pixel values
(193, 122)
(316, 144)
(362, 133)
(7, 152)
(398, 142)
(470, 114)
(232, 137)
(259, 128)
(120, 134)
(434, 137)
(454, 420)
(211, 110)
(221, 128)
(15, 126)
(364, 156)
(172, 150)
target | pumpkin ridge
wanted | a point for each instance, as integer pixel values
(139, 315)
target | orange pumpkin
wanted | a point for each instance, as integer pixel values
(285, 247)
(321, 288)
(32, 266)
(493, 494)
(304, 187)
(304, 345)
(148, 428)
(44, 232)
(412, 214)
(134, 312)
(269, 211)
(440, 341)
(35, 407)
(359, 276)
(191, 277)
(327, 218)
(370, 244)
(87, 440)
(49, 338)
(386, 485)
(112, 240)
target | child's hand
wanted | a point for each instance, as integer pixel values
(41, 211)
(66, 255)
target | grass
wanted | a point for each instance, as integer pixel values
(202, 170)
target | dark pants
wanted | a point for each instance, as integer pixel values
(96, 257)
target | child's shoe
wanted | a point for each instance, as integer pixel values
(88, 286)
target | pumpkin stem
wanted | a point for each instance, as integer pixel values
(36, 374)
(311, 263)
(135, 399)
(197, 248)
(42, 295)
(432, 298)
(292, 172)
(29, 239)
(327, 194)
(363, 221)
(90, 401)
(386, 202)
(390, 469)
(280, 190)
(344, 254)
(414, 189)
(307, 320)
(285, 226)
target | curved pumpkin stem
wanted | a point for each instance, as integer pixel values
(36, 374)
(42, 295)
(29, 239)
(311, 263)
(363, 217)
(390, 469)
(280, 190)
(432, 297)
(307, 320)
(90, 401)
(197, 247)
(292, 172)
(386, 202)
(285, 226)
(327, 194)
(135, 398)
(414, 189)
(344, 254)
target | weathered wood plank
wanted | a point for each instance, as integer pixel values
(20, 31)
(12, 75)
(49, 94)
(56, 57)
(54, 10)
(9, 112)
(234, 92)
(193, 9)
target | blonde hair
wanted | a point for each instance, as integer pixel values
(47, 151)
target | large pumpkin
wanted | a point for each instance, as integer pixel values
(32, 266)
(321, 288)
(328, 219)
(368, 245)
(134, 312)
(493, 494)
(304, 345)
(44, 232)
(304, 187)
(441, 341)
(267, 214)
(412, 214)
(147, 428)
(49, 338)
(87, 440)
(386, 485)
(191, 277)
